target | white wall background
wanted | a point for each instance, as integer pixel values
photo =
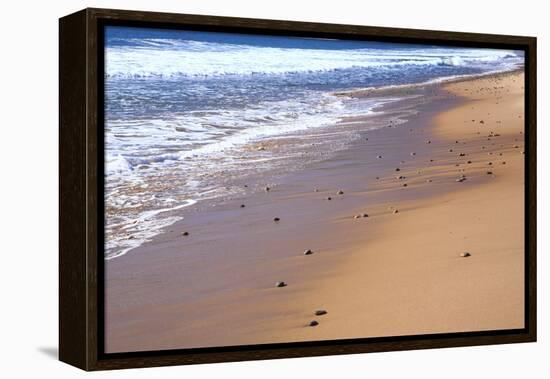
(28, 167)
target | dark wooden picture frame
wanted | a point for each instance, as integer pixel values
(81, 190)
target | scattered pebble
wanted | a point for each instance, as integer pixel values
(428, 141)
(395, 211)
(185, 233)
(465, 254)
(340, 192)
(267, 189)
(242, 205)
(308, 252)
(320, 312)
(404, 184)
(397, 169)
(489, 172)
(429, 181)
(379, 156)
(276, 219)
(280, 284)
(329, 198)
(313, 323)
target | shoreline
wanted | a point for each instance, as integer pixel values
(196, 291)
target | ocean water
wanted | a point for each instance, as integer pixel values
(185, 112)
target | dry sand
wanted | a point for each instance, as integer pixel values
(387, 274)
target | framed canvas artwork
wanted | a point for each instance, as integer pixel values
(237, 189)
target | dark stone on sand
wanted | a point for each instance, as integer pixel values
(465, 254)
(379, 156)
(490, 163)
(185, 233)
(469, 162)
(242, 205)
(357, 216)
(308, 252)
(280, 284)
(462, 154)
(329, 198)
(460, 180)
(340, 192)
(267, 188)
(365, 215)
(429, 180)
(482, 122)
(276, 219)
(395, 211)
(413, 154)
(450, 150)
(313, 323)
(320, 312)
(428, 141)
(400, 177)
(397, 169)
(404, 184)
(503, 162)
(489, 172)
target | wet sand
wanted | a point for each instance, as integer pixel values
(391, 273)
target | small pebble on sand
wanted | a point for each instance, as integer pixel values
(280, 284)
(242, 205)
(395, 211)
(320, 312)
(465, 254)
(185, 233)
(276, 219)
(308, 252)
(313, 323)
(340, 192)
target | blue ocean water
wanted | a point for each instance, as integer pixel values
(180, 107)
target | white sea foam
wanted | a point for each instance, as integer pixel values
(169, 58)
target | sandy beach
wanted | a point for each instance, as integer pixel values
(387, 220)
